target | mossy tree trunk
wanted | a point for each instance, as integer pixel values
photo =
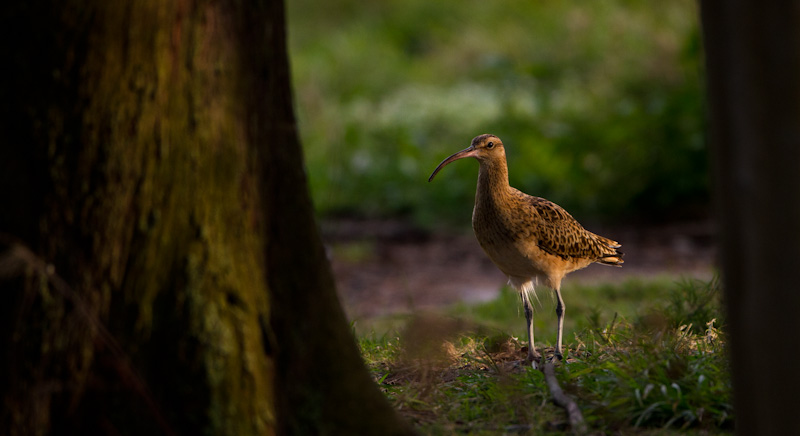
(160, 268)
(753, 63)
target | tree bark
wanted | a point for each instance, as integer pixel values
(753, 63)
(160, 267)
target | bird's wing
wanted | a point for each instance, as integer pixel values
(559, 234)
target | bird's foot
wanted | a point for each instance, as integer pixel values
(534, 360)
(556, 357)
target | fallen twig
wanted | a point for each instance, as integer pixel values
(563, 400)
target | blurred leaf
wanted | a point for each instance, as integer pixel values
(599, 104)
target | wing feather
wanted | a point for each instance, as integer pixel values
(558, 233)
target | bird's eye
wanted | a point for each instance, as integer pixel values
(490, 144)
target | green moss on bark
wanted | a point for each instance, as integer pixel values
(156, 221)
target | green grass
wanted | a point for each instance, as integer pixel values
(586, 306)
(655, 368)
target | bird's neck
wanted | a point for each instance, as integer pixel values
(492, 180)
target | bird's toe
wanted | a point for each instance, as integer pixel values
(556, 357)
(533, 360)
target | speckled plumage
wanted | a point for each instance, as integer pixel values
(527, 237)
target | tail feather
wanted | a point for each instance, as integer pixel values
(612, 255)
(612, 259)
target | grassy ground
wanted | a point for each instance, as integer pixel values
(652, 361)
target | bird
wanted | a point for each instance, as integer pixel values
(530, 239)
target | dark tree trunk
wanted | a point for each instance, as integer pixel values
(160, 267)
(753, 59)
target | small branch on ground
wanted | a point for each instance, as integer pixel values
(563, 400)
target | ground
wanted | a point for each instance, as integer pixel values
(657, 368)
(390, 267)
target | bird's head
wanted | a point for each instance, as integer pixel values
(484, 148)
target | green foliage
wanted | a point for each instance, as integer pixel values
(469, 396)
(652, 374)
(695, 302)
(586, 306)
(599, 103)
(653, 378)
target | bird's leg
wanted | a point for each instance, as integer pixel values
(560, 308)
(533, 355)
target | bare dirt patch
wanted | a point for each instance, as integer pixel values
(389, 267)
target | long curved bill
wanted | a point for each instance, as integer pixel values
(467, 152)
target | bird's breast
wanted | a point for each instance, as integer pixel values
(509, 243)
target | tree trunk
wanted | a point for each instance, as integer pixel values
(160, 268)
(753, 60)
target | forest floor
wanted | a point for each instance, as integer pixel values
(389, 267)
(645, 347)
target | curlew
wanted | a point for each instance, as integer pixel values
(528, 238)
